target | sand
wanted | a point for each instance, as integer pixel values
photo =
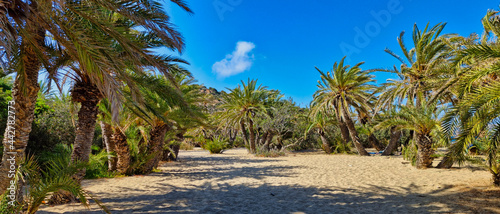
(307, 182)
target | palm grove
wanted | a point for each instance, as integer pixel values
(130, 108)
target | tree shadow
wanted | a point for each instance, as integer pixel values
(218, 159)
(226, 198)
(219, 194)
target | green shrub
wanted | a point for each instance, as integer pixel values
(409, 152)
(41, 183)
(60, 150)
(186, 146)
(5, 207)
(215, 146)
(98, 166)
(51, 126)
(339, 147)
(138, 151)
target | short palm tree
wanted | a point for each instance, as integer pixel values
(102, 77)
(343, 89)
(319, 121)
(166, 108)
(114, 138)
(424, 121)
(55, 177)
(476, 116)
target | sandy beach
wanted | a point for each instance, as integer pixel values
(305, 182)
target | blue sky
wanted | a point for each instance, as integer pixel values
(279, 42)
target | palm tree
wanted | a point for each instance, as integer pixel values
(185, 120)
(22, 39)
(99, 74)
(476, 115)
(340, 90)
(33, 30)
(241, 105)
(320, 120)
(395, 134)
(424, 121)
(424, 73)
(163, 103)
(424, 67)
(365, 120)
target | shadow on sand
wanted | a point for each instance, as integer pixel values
(220, 196)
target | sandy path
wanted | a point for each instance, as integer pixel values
(235, 182)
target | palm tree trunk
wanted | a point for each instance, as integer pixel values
(107, 132)
(244, 132)
(448, 159)
(353, 133)
(410, 136)
(173, 151)
(122, 150)
(393, 143)
(326, 145)
(375, 142)
(171, 155)
(24, 95)
(446, 163)
(425, 151)
(252, 136)
(344, 131)
(279, 139)
(176, 147)
(372, 139)
(89, 96)
(496, 178)
(155, 145)
(232, 136)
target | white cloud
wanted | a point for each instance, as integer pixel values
(237, 62)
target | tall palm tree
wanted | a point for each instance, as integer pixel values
(22, 38)
(32, 30)
(99, 74)
(342, 89)
(241, 105)
(477, 114)
(425, 73)
(423, 68)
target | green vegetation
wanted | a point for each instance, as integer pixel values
(215, 146)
